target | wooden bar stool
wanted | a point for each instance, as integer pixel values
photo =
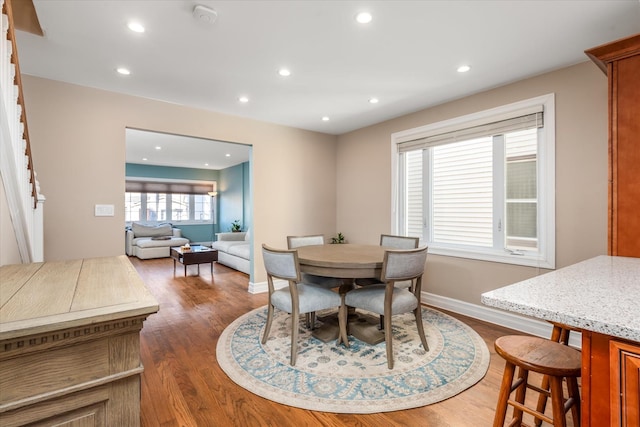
(559, 333)
(546, 357)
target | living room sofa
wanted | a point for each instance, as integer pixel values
(152, 241)
(234, 250)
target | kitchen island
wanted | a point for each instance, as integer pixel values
(70, 342)
(601, 298)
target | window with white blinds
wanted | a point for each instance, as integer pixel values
(481, 186)
(176, 201)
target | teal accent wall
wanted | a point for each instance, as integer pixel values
(234, 197)
(246, 173)
(232, 202)
(167, 172)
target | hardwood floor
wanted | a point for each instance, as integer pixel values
(182, 384)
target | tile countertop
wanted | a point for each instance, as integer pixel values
(601, 294)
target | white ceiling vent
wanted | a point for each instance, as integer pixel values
(205, 14)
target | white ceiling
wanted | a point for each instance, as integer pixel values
(163, 149)
(406, 57)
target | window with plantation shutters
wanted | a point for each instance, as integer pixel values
(481, 186)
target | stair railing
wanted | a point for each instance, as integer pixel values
(16, 162)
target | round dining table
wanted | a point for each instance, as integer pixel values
(348, 262)
(344, 261)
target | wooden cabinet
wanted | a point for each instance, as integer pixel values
(625, 379)
(610, 381)
(70, 343)
(620, 60)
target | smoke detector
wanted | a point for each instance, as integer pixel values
(205, 14)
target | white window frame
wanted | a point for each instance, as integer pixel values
(168, 202)
(545, 258)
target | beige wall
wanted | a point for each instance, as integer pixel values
(78, 143)
(364, 177)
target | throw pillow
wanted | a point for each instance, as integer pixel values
(143, 230)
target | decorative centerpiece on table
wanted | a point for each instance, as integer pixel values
(339, 238)
(236, 227)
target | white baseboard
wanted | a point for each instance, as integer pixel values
(257, 288)
(261, 287)
(524, 324)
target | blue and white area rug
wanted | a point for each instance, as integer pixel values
(332, 378)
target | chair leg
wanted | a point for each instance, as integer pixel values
(294, 337)
(267, 327)
(561, 335)
(310, 320)
(388, 337)
(503, 397)
(423, 338)
(557, 402)
(574, 393)
(521, 391)
(343, 323)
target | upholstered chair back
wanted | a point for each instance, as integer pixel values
(398, 242)
(297, 241)
(282, 264)
(403, 264)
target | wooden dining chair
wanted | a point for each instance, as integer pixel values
(297, 298)
(294, 242)
(393, 242)
(387, 299)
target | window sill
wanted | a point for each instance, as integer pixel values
(494, 256)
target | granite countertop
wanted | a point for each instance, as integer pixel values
(601, 294)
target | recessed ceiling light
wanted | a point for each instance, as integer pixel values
(227, 155)
(206, 164)
(243, 99)
(373, 100)
(284, 72)
(364, 17)
(123, 71)
(463, 68)
(136, 27)
(158, 147)
(325, 119)
(144, 159)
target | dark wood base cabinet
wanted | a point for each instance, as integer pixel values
(610, 381)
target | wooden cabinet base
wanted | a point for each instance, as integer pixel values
(70, 343)
(625, 393)
(610, 381)
(93, 380)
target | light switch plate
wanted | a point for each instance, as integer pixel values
(104, 210)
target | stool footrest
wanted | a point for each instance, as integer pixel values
(539, 390)
(529, 411)
(517, 383)
(568, 404)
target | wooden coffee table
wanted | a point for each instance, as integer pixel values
(197, 255)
